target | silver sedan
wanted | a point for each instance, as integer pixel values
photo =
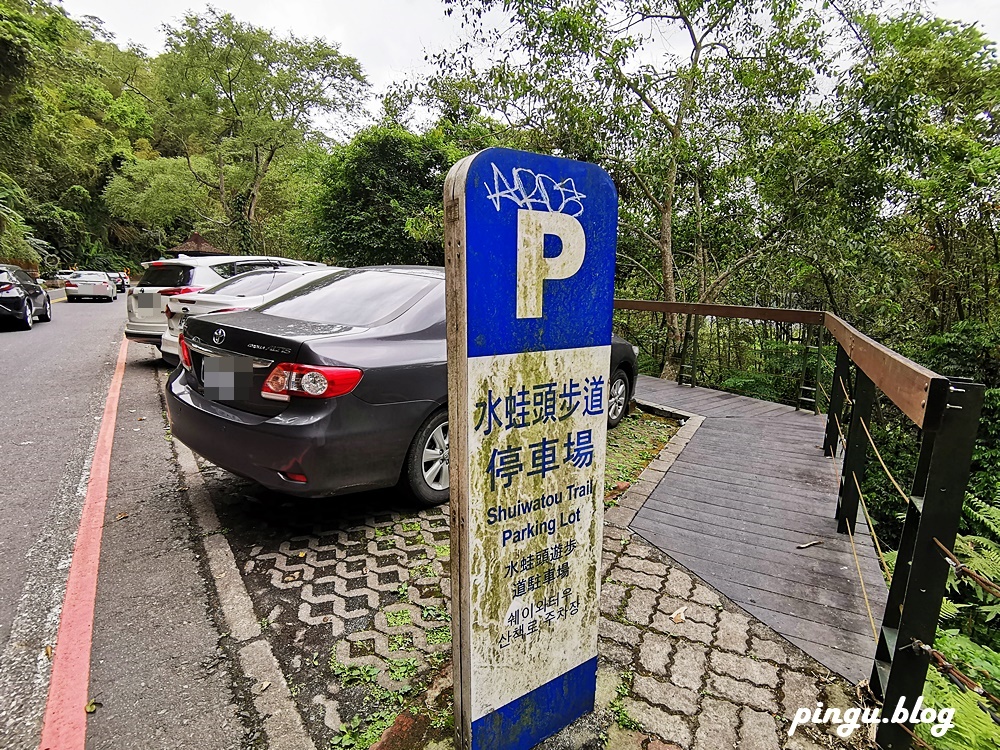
(92, 285)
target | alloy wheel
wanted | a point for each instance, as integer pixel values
(434, 459)
(617, 397)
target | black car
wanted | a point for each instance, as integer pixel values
(120, 279)
(22, 299)
(338, 386)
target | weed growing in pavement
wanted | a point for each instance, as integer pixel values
(437, 636)
(382, 531)
(264, 623)
(400, 642)
(403, 592)
(411, 526)
(617, 706)
(443, 717)
(402, 669)
(399, 618)
(438, 658)
(357, 737)
(351, 674)
(442, 551)
(436, 612)
(424, 571)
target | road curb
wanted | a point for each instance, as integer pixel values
(272, 699)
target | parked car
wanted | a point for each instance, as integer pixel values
(121, 280)
(168, 278)
(22, 299)
(338, 386)
(62, 274)
(90, 285)
(243, 292)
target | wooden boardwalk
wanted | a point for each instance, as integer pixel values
(750, 486)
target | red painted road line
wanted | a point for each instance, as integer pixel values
(65, 723)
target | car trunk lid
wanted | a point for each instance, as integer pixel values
(233, 353)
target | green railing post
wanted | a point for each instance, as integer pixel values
(856, 453)
(921, 572)
(841, 374)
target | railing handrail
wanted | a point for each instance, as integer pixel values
(778, 314)
(910, 386)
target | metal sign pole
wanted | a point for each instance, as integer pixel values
(530, 253)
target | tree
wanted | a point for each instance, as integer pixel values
(377, 195)
(603, 80)
(241, 98)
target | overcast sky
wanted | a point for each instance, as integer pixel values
(388, 37)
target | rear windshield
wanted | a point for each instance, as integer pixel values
(90, 276)
(166, 275)
(353, 298)
(254, 283)
(227, 270)
(5, 277)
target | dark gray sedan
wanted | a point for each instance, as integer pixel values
(338, 386)
(22, 299)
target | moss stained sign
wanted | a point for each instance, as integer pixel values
(530, 254)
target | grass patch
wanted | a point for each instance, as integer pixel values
(442, 550)
(436, 636)
(397, 619)
(636, 441)
(411, 526)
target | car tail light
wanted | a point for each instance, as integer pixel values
(311, 381)
(231, 309)
(71, 285)
(6, 287)
(174, 291)
(300, 478)
(185, 352)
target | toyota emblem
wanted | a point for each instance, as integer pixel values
(219, 336)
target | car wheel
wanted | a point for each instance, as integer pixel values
(28, 319)
(46, 315)
(617, 397)
(427, 470)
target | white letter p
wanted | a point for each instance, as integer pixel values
(533, 268)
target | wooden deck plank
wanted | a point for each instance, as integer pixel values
(847, 630)
(774, 572)
(750, 486)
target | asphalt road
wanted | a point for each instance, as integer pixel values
(55, 378)
(156, 664)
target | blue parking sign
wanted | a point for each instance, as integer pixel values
(530, 257)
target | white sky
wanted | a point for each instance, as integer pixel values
(388, 37)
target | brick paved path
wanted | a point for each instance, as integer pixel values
(376, 587)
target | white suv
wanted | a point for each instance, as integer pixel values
(166, 278)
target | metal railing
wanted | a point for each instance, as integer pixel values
(945, 410)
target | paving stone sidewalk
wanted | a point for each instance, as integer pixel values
(717, 679)
(376, 587)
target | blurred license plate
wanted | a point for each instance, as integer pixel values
(227, 378)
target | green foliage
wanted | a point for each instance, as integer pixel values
(379, 198)
(402, 669)
(973, 728)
